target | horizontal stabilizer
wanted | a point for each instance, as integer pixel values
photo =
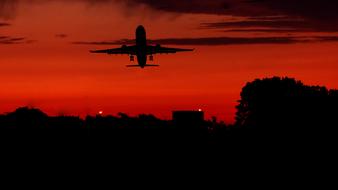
(143, 66)
(151, 65)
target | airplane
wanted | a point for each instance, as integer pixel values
(141, 50)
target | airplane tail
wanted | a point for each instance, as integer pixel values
(144, 66)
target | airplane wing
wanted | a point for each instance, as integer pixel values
(165, 50)
(130, 50)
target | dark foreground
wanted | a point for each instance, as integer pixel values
(285, 131)
(273, 114)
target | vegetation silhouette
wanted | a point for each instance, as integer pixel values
(283, 113)
(271, 112)
(285, 102)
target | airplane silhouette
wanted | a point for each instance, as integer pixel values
(141, 50)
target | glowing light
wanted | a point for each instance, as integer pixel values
(199, 110)
(100, 112)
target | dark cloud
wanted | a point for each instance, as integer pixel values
(212, 41)
(328, 38)
(266, 26)
(187, 6)
(10, 40)
(7, 8)
(273, 30)
(14, 40)
(324, 10)
(275, 24)
(315, 9)
(106, 42)
(5, 39)
(225, 41)
(61, 35)
(2, 24)
(320, 15)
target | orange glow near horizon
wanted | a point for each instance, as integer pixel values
(62, 78)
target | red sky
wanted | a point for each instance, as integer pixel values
(52, 73)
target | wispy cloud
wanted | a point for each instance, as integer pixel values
(213, 41)
(6, 39)
(271, 24)
(319, 15)
(267, 30)
(14, 40)
(2, 24)
(61, 35)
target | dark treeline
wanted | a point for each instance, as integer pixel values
(272, 110)
(285, 111)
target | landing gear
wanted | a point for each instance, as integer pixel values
(151, 58)
(132, 58)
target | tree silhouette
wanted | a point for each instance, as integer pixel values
(284, 104)
(270, 110)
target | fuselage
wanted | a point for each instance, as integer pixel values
(141, 50)
(141, 45)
